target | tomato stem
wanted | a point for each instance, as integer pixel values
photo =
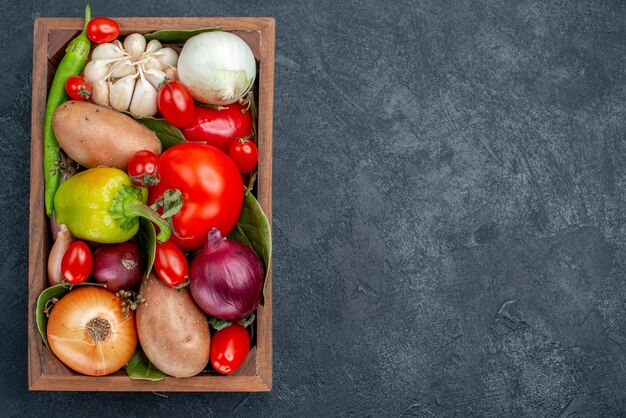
(182, 285)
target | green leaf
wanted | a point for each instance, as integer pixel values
(53, 292)
(147, 239)
(168, 135)
(253, 230)
(45, 298)
(178, 36)
(139, 367)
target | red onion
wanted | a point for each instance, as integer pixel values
(120, 266)
(226, 278)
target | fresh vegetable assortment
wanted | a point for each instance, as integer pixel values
(149, 164)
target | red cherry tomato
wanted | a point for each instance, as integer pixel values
(176, 104)
(102, 29)
(219, 127)
(211, 188)
(142, 168)
(229, 348)
(78, 88)
(170, 264)
(245, 154)
(76, 263)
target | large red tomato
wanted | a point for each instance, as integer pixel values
(211, 187)
(219, 127)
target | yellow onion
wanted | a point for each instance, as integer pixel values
(89, 333)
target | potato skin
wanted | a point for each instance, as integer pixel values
(173, 331)
(96, 136)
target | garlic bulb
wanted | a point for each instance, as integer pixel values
(127, 76)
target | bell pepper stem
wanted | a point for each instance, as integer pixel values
(135, 207)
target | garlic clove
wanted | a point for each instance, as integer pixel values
(100, 92)
(153, 46)
(155, 77)
(121, 93)
(153, 63)
(96, 69)
(123, 68)
(144, 101)
(61, 244)
(167, 56)
(171, 73)
(135, 45)
(107, 51)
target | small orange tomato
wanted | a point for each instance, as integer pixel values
(89, 333)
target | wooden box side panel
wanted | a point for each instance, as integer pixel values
(265, 116)
(51, 35)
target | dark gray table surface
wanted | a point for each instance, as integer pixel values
(449, 210)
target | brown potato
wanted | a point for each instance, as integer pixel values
(172, 330)
(95, 136)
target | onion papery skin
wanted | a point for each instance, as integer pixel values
(217, 67)
(226, 278)
(70, 340)
(119, 266)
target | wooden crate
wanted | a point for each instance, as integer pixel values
(46, 372)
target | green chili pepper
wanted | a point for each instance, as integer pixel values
(102, 205)
(72, 64)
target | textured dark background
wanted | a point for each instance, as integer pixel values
(449, 215)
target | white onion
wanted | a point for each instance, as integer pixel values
(218, 67)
